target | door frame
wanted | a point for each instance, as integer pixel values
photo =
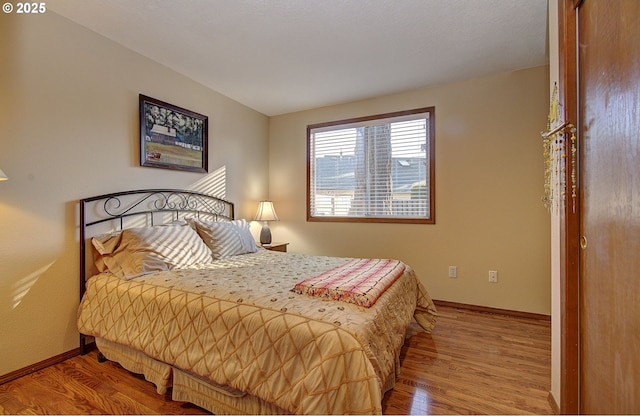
(569, 216)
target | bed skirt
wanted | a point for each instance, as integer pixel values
(186, 387)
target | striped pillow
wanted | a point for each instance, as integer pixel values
(226, 238)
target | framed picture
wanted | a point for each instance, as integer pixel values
(172, 137)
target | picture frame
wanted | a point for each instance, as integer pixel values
(172, 137)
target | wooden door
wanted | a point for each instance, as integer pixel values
(609, 134)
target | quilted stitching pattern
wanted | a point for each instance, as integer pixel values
(304, 355)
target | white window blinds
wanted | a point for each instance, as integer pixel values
(377, 168)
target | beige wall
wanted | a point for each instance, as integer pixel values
(489, 183)
(69, 130)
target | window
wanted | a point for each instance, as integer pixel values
(372, 169)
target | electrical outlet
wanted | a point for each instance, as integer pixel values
(493, 276)
(453, 271)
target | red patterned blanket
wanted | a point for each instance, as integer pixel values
(359, 281)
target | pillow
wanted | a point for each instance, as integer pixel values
(138, 251)
(226, 238)
(104, 244)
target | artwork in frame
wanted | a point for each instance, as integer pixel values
(172, 137)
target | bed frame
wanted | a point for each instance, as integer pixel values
(140, 208)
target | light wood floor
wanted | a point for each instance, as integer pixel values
(472, 363)
(475, 363)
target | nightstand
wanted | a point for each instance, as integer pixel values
(275, 246)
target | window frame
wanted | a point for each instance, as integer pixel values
(430, 144)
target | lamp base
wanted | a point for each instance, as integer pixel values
(265, 234)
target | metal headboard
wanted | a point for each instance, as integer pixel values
(142, 208)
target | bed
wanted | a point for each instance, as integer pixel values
(172, 286)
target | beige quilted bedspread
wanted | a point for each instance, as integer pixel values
(237, 323)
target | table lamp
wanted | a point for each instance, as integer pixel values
(265, 213)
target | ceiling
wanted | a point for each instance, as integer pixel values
(282, 56)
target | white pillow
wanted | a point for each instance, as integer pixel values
(138, 251)
(226, 238)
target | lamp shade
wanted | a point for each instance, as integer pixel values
(3, 176)
(266, 212)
